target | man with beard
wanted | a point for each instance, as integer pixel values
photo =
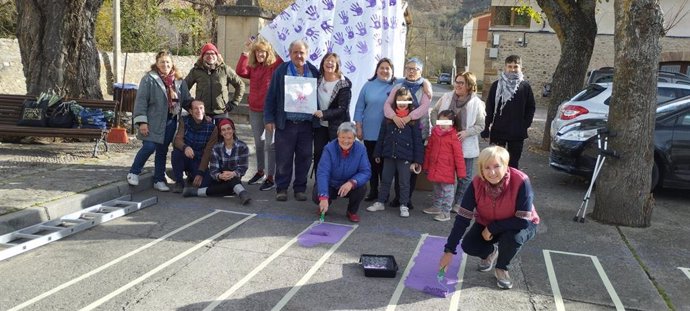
(510, 109)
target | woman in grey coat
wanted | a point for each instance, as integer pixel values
(162, 94)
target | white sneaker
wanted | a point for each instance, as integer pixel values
(378, 206)
(442, 217)
(133, 179)
(161, 186)
(404, 211)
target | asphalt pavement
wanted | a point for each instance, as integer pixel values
(198, 253)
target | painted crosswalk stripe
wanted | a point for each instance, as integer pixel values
(686, 271)
(393, 303)
(155, 270)
(109, 264)
(455, 299)
(312, 271)
(256, 270)
(560, 305)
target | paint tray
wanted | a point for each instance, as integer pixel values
(381, 266)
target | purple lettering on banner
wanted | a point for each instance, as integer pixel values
(425, 266)
(323, 234)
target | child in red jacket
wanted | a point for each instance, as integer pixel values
(443, 160)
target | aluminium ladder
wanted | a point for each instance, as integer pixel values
(26, 239)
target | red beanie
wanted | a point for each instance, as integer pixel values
(209, 47)
(224, 122)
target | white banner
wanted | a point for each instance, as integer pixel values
(300, 94)
(360, 31)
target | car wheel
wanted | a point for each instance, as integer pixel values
(655, 176)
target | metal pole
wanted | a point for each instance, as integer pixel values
(116, 40)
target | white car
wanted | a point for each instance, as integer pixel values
(593, 102)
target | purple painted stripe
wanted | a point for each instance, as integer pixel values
(425, 267)
(323, 234)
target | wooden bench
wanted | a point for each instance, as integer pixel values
(11, 108)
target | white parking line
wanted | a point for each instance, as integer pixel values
(455, 299)
(256, 270)
(560, 306)
(109, 264)
(686, 271)
(127, 286)
(311, 271)
(393, 303)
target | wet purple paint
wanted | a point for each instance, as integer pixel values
(323, 234)
(425, 267)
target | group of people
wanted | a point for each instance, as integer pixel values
(396, 135)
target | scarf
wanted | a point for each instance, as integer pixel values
(459, 106)
(169, 82)
(494, 191)
(402, 112)
(507, 86)
(210, 67)
(414, 87)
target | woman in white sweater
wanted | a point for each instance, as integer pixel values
(470, 112)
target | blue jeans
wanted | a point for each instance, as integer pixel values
(509, 243)
(293, 145)
(463, 183)
(148, 147)
(181, 164)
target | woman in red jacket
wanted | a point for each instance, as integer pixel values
(257, 64)
(443, 161)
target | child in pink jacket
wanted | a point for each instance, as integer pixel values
(443, 160)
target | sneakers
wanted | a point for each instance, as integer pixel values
(300, 196)
(503, 280)
(455, 208)
(442, 217)
(177, 187)
(189, 192)
(267, 185)
(133, 179)
(281, 196)
(244, 197)
(432, 210)
(488, 263)
(378, 206)
(352, 217)
(257, 177)
(404, 211)
(161, 186)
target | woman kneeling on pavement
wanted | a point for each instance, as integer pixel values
(500, 197)
(229, 162)
(343, 171)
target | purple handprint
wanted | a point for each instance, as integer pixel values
(313, 14)
(329, 46)
(350, 67)
(372, 3)
(361, 28)
(376, 22)
(294, 7)
(285, 15)
(356, 9)
(298, 26)
(326, 27)
(392, 2)
(282, 35)
(314, 56)
(385, 23)
(338, 37)
(362, 46)
(344, 17)
(312, 33)
(348, 50)
(273, 25)
(378, 56)
(383, 3)
(350, 33)
(329, 4)
(394, 22)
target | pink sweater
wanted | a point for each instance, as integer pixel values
(259, 80)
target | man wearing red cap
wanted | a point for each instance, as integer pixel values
(212, 77)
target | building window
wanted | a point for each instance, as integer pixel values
(506, 16)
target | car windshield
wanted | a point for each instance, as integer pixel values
(591, 91)
(672, 106)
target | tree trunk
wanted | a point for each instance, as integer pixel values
(58, 46)
(623, 190)
(576, 29)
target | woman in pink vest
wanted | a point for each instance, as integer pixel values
(500, 198)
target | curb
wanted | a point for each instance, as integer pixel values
(73, 203)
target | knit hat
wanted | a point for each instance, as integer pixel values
(210, 47)
(225, 121)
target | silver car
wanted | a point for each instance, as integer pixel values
(593, 102)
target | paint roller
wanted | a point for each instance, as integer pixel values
(442, 291)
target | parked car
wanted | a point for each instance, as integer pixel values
(605, 74)
(444, 78)
(574, 149)
(593, 102)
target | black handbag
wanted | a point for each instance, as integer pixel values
(34, 113)
(60, 115)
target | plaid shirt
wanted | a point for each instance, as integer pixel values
(237, 161)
